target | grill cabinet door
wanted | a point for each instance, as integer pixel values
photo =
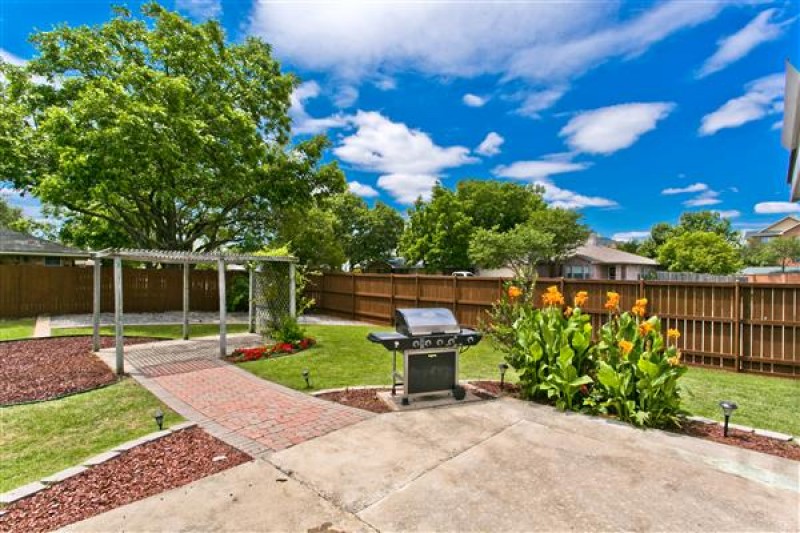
(429, 372)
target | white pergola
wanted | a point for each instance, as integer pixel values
(186, 259)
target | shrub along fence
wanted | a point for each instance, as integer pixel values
(30, 290)
(748, 327)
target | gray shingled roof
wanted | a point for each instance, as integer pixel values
(606, 255)
(16, 243)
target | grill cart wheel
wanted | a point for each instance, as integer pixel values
(459, 392)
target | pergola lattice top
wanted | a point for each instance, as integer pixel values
(175, 256)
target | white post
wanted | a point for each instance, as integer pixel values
(118, 327)
(292, 291)
(186, 287)
(251, 319)
(96, 304)
(222, 310)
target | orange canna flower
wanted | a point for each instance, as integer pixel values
(568, 312)
(612, 302)
(673, 334)
(640, 307)
(625, 346)
(514, 292)
(552, 297)
(581, 298)
(645, 328)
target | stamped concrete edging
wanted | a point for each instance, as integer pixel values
(32, 488)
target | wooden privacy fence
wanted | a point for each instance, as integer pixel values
(30, 290)
(735, 326)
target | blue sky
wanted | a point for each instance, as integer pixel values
(632, 112)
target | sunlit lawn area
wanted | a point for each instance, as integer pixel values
(343, 357)
(42, 438)
(16, 329)
(168, 331)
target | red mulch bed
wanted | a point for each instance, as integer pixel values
(42, 369)
(493, 388)
(152, 468)
(366, 399)
(742, 439)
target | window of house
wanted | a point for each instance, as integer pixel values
(612, 272)
(52, 261)
(577, 271)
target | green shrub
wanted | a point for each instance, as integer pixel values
(289, 330)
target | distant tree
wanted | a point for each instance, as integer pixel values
(632, 247)
(11, 217)
(566, 228)
(521, 249)
(156, 133)
(498, 205)
(757, 254)
(659, 234)
(438, 232)
(784, 250)
(368, 235)
(708, 221)
(699, 251)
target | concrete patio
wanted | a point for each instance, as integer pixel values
(490, 466)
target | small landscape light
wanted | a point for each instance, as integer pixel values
(728, 408)
(502, 367)
(306, 376)
(159, 416)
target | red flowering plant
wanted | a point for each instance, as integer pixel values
(243, 355)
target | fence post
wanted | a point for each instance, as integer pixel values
(353, 294)
(455, 297)
(187, 284)
(737, 326)
(391, 299)
(416, 290)
(561, 286)
(641, 288)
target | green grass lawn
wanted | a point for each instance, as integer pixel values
(16, 329)
(170, 331)
(343, 357)
(42, 438)
(764, 402)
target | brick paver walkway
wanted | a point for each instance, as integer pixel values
(255, 415)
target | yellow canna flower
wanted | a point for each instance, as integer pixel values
(674, 360)
(552, 297)
(645, 328)
(514, 292)
(625, 346)
(612, 302)
(640, 307)
(581, 298)
(673, 334)
(568, 312)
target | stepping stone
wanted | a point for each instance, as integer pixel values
(21, 492)
(58, 477)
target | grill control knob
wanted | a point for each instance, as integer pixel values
(427, 343)
(440, 342)
(470, 340)
(451, 341)
(415, 344)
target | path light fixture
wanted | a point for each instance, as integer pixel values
(502, 367)
(159, 416)
(306, 376)
(728, 408)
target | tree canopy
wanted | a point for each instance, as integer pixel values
(699, 251)
(157, 133)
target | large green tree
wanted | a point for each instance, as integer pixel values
(521, 249)
(783, 251)
(699, 251)
(155, 132)
(498, 205)
(690, 221)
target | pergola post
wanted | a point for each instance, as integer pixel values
(118, 326)
(251, 319)
(292, 291)
(97, 285)
(223, 348)
(186, 287)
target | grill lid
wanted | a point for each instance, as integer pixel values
(425, 321)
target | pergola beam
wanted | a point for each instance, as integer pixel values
(96, 301)
(118, 325)
(223, 344)
(186, 290)
(251, 318)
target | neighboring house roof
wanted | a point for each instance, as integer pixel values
(16, 243)
(606, 255)
(751, 271)
(776, 229)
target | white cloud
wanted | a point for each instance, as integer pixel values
(491, 144)
(406, 188)
(627, 236)
(345, 96)
(302, 122)
(473, 100)
(362, 189)
(543, 43)
(537, 101)
(695, 187)
(736, 46)
(203, 9)
(408, 158)
(558, 197)
(706, 198)
(609, 129)
(386, 83)
(762, 97)
(537, 169)
(774, 208)
(729, 213)
(11, 59)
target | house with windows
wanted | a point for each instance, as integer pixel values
(22, 249)
(593, 261)
(785, 227)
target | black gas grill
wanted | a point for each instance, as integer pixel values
(430, 340)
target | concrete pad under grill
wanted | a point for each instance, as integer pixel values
(510, 465)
